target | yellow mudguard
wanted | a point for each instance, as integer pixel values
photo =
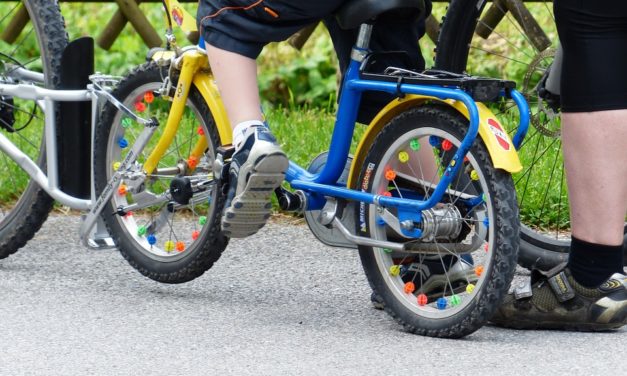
(500, 147)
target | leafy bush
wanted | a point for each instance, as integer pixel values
(292, 79)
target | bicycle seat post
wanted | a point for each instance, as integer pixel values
(363, 39)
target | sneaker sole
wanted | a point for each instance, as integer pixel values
(250, 210)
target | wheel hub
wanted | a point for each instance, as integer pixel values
(443, 222)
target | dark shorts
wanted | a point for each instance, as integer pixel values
(593, 34)
(245, 26)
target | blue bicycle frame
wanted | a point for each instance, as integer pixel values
(325, 183)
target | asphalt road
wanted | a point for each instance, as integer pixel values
(279, 303)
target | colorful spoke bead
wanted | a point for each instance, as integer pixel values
(122, 190)
(387, 250)
(403, 156)
(149, 97)
(422, 299)
(455, 300)
(128, 214)
(486, 247)
(180, 246)
(116, 166)
(140, 107)
(474, 175)
(200, 131)
(152, 239)
(434, 140)
(126, 122)
(470, 288)
(169, 246)
(395, 270)
(410, 287)
(486, 222)
(447, 145)
(441, 303)
(414, 144)
(390, 174)
(141, 230)
(387, 194)
(195, 234)
(202, 220)
(478, 270)
(192, 161)
(122, 143)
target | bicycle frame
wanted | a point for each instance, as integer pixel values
(324, 184)
(49, 181)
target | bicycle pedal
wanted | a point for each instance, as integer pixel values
(222, 162)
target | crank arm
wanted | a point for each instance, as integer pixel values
(146, 199)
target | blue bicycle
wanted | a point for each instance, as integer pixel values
(427, 198)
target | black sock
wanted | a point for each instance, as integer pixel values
(592, 264)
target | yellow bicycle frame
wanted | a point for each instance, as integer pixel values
(195, 72)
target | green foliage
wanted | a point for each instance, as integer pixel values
(306, 78)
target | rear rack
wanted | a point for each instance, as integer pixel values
(481, 89)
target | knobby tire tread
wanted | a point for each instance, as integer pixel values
(31, 212)
(504, 265)
(216, 242)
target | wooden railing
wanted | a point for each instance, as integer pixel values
(129, 12)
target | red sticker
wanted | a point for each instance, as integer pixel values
(498, 132)
(177, 14)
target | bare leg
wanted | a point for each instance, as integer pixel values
(595, 158)
(236, 76)
(258, 164)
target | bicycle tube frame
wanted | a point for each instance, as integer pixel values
(49, 181)
(324, 183)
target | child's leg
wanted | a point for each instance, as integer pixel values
(236, 76)
(258, 164)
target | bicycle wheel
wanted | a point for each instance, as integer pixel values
(509, 38)
(167, 237)
(24, 206)
(466, 257)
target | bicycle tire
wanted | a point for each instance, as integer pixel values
(29, 204)
(545, 241)
(167, 224)
(480, 200)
